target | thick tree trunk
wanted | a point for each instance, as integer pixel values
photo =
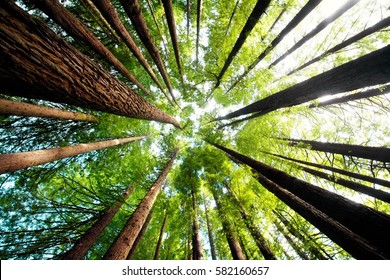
(369, 70)
(380, 25)
(372, 153)
(140, 235)
(198, 17)
(253, 229)
(371, 225)
(64, 18)
(197, 253)
(13, 162)
(231, 235)
(36, 63)
(160, 238)
(310, 5)
(321, 26)
(86, 241)
(133, 10)
(210, 232)
(122, 244)
(254, 17)
(109, 12)
(172, 31)
(14, 108)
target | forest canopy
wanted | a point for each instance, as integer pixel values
(145, 129)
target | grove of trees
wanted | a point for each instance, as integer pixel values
(145, 129)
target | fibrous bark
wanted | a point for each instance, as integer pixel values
(160, 238)
(197, 253)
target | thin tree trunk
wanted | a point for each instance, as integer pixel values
(172, 31)
(17, 161)
(64, 18)
(231, 236)
(86, 241)
(197, 253)
(306, 10)
(122, 244)
(254, 17)
(371, 225)
(36, 63)
(321, 26)
(133, 10)
(188, 8)
(367, 152)
(160, 238)
(209, 231)
(198, 17)
(380, 25)
(278, 19)
(231, 17)
(14, 108)
(140, 236)
(253, 229)
(109, 12)
(365, 71)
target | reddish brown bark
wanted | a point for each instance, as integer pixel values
(197, 253)
(160, 238)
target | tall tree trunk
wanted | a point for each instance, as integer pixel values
(371, 225)
(321, 26)
(13, 162)
(122, 244)
(160, 238)
(380, 25)
(231, 235)
(209, 231)
(36, 63)
(140, 236)
(133, 10)
(14, 108)
(64, 18)
(254, 17)
(172, 31)
(310, 6)
(109, 12)
(365, 71)
(81, 247)
(198, 17)
(372, 153)
(197, 253)
(231, 16)
(253, 229)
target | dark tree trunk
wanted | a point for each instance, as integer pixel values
(369, 224)
(14, 108)
(188, 7)
(197, 253)
(160, 238)
(231, 17)
(369, 70)
(210, 232)
(36, 63)
(321, 26)
(78, 31)
(198, 17)
(254, 17)
(17, 161)
(372, 153)
(382, 24)
(122, 244)
(86, 241)
(140, 236)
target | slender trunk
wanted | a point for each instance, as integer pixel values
(321, 26)
(160, 238)
(36, 63)
(133, 10)
(372, 153)
(365, 71)
(210, 232)
(122, 244)
(253, 229)
(231, 236)
(277, 19)
(254, 17)
(64, 18)
(371, 225)
(14, 108)
(172, 31)
(109, 12)
(231, 17)
(13, 162)
(380, 25)
(248, 255)
(198, 17)
(306, 10)
(140, 236)
(197, 253)
(81, 247)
